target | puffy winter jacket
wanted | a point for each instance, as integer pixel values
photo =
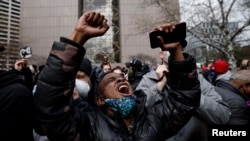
(61, 122)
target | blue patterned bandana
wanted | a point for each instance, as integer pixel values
(122, 106)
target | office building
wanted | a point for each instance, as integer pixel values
(44, 21)
(9, 32)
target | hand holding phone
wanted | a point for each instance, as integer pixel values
(20, 64)
(177, 35)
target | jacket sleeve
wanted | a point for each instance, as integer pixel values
(184, 94)
(213, 110)
(28, 78)
(183, 81)
(54, 90)
(148, 85)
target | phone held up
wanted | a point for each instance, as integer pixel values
(178, 34)
(25, 52)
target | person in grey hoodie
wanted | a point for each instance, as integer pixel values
(212, 111)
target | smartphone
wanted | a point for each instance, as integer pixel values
(178, 34)
(25, 52)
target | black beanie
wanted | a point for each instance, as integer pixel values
(86, 66)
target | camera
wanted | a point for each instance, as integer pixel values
(178, 34)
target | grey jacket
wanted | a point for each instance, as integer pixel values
(212, 109)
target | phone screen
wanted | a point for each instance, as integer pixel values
(178, 34)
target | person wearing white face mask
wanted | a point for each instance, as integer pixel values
(83, 95)
(82, 82)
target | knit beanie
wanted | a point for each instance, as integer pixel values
(86, 66)
(220, 66)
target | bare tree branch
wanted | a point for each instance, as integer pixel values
(230, 9)
(222, 12)
(239, 31)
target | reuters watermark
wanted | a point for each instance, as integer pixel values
(236, 132)
(231, 133)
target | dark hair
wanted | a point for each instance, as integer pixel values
(105, 63)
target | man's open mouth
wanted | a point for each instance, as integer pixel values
(124, 89)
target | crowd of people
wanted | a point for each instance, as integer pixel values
(69, 98)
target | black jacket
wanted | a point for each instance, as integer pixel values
(61, 122)
(16, 115)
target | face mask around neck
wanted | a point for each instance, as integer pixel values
(122, 106)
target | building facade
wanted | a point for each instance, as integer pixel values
(44, 21)
(208, 31)
(9, 32)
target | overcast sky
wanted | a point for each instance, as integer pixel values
(189, 11)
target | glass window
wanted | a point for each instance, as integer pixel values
(109, 44)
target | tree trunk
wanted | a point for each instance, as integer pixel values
(232, 61)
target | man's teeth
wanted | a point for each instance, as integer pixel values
(121, 87)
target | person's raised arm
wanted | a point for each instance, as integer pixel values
(55, 84)
(184, 87)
